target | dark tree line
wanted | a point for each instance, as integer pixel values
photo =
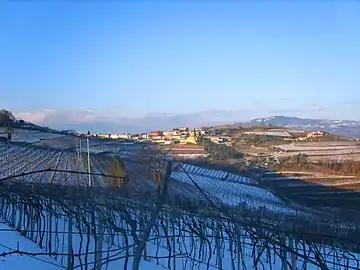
(347, 167)
(6, 117)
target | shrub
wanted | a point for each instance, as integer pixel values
(117, 169)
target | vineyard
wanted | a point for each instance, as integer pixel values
(166, 215)
(323, 151)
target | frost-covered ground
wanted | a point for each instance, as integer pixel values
(16, 159)
(222, 186)
(191, 253)
(66, 142)
(29, 136)
(234, 249)
(30, 258)
(305, 147)
(11, 240)
(270, 133)
(321, 151)
(232, 189)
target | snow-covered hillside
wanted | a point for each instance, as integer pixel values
(342, 127)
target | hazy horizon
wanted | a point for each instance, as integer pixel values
(148, 123)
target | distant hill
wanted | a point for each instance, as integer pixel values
(64, 120)
(341, 127)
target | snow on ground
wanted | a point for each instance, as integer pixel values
(216, 174)
(269, 133)
(314, 147)
(313, 174)
(62, 142)
(321, 152)
(15, 159)
(92, 151)
(29, 136)
(232, 192)
(12, 241)
(113, 249)
(222, 186)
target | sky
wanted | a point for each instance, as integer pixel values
(139, 58)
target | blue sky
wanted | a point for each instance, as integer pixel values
(181, 56)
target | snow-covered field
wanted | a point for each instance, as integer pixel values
(320, 151)
(12, 241)
(29, 136)
(232, 189)
(66, 142)
(306, 147)
(195, 241)
(228, 188)
(216, 174)
(16, 160)
(269, 133)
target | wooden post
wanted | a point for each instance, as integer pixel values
(283, 253)
(293, 255)
(88, 161)
(50, 227)
(20, 221)
(139, 247)
(173, 245)
(218, 247)
(32, 225)
(13, 207)
(70, 249)
(100, 235)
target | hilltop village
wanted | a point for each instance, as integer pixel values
(182, 135)
(215, 134)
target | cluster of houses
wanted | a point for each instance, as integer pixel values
(183, 135)
(312, 134)
(173, 136)
(176, 136)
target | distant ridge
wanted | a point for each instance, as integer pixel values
(342, 127)
(73, 120)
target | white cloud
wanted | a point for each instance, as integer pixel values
(50, 116)
(39, 117)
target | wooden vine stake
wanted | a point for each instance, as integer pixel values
(70, 261)
(162, 193)
(100, 235)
